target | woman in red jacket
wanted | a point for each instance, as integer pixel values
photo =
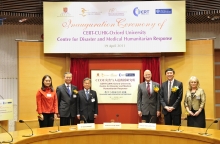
(47, 107)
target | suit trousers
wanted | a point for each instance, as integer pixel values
(149, 118)
(87, 121)
(66, 121)
(171, 119)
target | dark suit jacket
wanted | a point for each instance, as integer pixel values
(145, 103)
(67, 104)
(175, 97)
(87, 107)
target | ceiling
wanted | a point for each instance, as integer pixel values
(30, 12)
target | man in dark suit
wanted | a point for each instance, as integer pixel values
(87, 105)
(67, 100)
(148, 100)
(171, 94)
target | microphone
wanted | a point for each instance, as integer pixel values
(178, 130)
(1, 96)
(9, 141)
(58, 127)
(206, 134)
(21, 121)
(84, 118)
(117, 115)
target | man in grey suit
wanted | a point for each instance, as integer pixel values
(148, 100)
(87, 105)
(171, 94)
(67, 100)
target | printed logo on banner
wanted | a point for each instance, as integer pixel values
(163, 11)
(127, 75)
(65, 12)
(85, 12)
(130, 74)
(138, 11)
(115, 12)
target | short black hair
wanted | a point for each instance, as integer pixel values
(170, 69)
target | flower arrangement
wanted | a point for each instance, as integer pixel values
(174, 89)
(156, 89)
(75, 91)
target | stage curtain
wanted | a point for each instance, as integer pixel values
(152, 64)
(80, 70)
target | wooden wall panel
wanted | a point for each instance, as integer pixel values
(198, 60)
(218, 112)
(4, 124)
(217, 55)
(217, 98)
(217, 83)
(33, 64)
(217, 69)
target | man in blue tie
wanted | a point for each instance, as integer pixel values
(67, 95)
(87, 105)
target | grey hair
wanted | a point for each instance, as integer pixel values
(85, 79)
(67, 73)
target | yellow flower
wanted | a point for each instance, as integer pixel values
(156, 89)
(174, 89)
(75, 91)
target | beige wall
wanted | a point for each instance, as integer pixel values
(33, 64)
(197, 61)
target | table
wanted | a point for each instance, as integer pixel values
(128, 134)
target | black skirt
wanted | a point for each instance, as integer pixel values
(197, 121)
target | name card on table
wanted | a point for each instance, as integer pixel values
(112, 125)
(147, 126)
(85, 126)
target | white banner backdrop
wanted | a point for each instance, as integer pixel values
(114, 27)
(116, 86)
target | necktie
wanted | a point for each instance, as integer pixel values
(68, 90)
(169, 91)
(148, 88)
(87, 94)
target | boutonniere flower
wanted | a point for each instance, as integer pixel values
(174, 89)
(75, 91)
(156, 89)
